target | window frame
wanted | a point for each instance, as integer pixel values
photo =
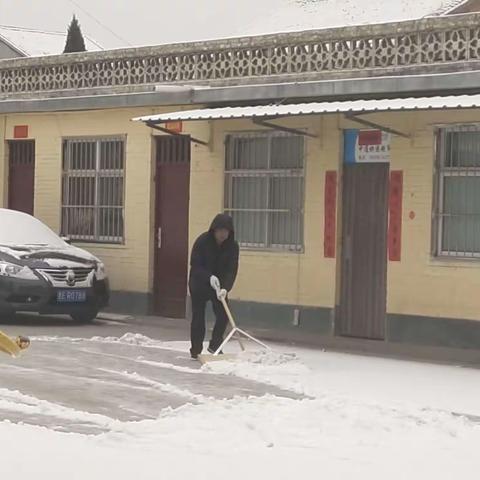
(266, 173)
(97, 173)
(442, 172)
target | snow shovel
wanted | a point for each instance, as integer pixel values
(13, 346)
(235, 331)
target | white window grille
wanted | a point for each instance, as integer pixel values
(458, 202)
(93, 189)
(264, 189)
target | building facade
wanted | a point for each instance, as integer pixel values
(355, 218)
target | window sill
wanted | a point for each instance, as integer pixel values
(100, 246)
(455, 262)
(255, 252)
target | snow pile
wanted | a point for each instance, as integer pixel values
(51, 339)
(269, 358)
(272, 437)
(130, 339)
(134, 339)
(284, 370)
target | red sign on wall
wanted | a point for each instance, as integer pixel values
(176, 127)
(330, 229)
(369, 137)
(395, 220)
(20, 131)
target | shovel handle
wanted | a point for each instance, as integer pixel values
(231, 320)
(228, 312)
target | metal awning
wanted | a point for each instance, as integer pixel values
(352, 108)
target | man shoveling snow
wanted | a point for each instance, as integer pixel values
(214, 266)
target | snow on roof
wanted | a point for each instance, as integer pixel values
(32, 43)
(318, 14)
(148, 22)
(353, 106)
(451, 7)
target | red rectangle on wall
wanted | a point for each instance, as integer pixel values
(369, 137)
(20, 131)
(395, 216)
(330, 229)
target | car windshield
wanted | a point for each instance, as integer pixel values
(18, 229)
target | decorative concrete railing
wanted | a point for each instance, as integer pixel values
(436, 42)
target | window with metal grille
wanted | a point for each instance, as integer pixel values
(458, 202)
(93, 189)
(264, 185)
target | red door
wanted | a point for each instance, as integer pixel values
(171, 237)
(21, 175)
(362, 309)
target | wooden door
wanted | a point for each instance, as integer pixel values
(171, 237)
(21, 175)
(362, 307)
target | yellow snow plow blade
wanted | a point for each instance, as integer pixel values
(13, 346)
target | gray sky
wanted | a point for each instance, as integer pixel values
(117, 23)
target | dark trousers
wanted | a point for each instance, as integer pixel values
(197, 332)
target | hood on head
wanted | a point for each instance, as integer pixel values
(222, 220)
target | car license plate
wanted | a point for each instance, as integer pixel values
(71, 296)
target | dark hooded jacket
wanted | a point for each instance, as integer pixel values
(208, 258)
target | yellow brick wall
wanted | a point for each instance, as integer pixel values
(129, 265)
(288, 278)
(417, 285)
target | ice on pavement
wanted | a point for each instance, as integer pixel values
(291, 413)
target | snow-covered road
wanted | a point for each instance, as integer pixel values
(117, 407)
(129, 379)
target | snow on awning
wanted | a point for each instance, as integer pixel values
(353, 107)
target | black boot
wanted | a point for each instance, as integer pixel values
(193, 355)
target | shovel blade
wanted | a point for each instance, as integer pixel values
(208, 357)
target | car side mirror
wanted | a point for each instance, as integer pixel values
(67, 240)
